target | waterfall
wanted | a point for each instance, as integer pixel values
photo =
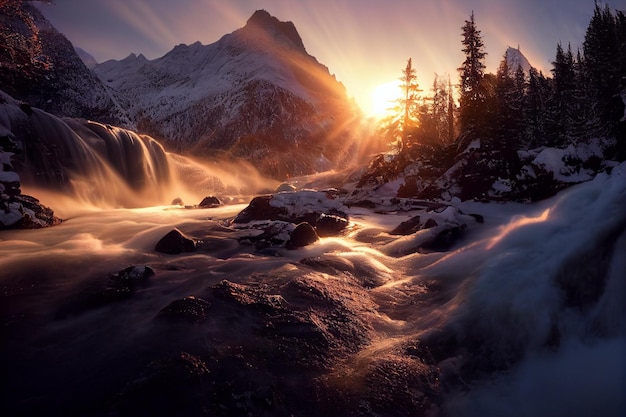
(107, 166)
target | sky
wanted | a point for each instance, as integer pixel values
(365, 43)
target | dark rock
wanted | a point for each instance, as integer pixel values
(117, 286)
(175, 242)
(26, 212)
(177, 202)
(285, 187)
(210, 202)
(330, 225)
(430, 223)
(444, 240)
(413, 225)
(260, 209)
(408, 227)
(304, 234)
(167, 387)
(189, 309)
(478, 217)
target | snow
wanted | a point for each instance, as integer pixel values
(306, 201)
(515, 58)
(13, 214)
(210, 82)
(555, 160)
(9, 176)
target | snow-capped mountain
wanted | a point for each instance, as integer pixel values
(255, 93)
(515, 59)
(39, 66)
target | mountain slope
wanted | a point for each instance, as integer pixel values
(256, 93)
(38, 65)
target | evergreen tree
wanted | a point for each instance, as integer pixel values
(534, 108)
(409, 102)
(403, 121)
(600, 49)
(472, 88)
(562, 105)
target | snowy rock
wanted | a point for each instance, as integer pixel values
(327, 215)
(175, 242)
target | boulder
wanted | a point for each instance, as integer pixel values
(117, 286)
(189, 309)
(327, 215)
(285, 187)
(304, 234)
(18, 211)
(175, 242)
(210, 202)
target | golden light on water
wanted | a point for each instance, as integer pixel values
(383, 97)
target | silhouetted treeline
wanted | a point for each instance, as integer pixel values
(582, 98)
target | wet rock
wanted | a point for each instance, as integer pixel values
(272, 233)
(167, 387)
(177, 202)
(189, 309)
(444, 240)
(362, 269)
(413, 225)
(117, 286)
(175, 242)
(408, 227)
(386, 382)
(18, 211)
(330, 225)
(210, 202)
(285, 187)
(304, 234)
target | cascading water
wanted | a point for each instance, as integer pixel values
(105, 166)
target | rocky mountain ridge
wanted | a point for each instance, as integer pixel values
(38, 65)
(256, 93)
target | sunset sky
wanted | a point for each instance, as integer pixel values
(365, 43)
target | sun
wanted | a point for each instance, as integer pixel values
(382, 98)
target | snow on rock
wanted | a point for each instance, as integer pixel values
(272, 219)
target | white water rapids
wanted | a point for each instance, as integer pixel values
(502, 284)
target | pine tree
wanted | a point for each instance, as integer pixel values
(534, 108)
(401, 124)
(600, 48)
(409, 103)
(472, 94)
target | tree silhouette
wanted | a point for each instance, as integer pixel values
(473, 93)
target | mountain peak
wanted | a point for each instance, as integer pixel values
(515, 58)
(262, 20)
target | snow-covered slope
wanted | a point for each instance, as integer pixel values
(256, 93)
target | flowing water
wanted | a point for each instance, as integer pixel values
(534, 298)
